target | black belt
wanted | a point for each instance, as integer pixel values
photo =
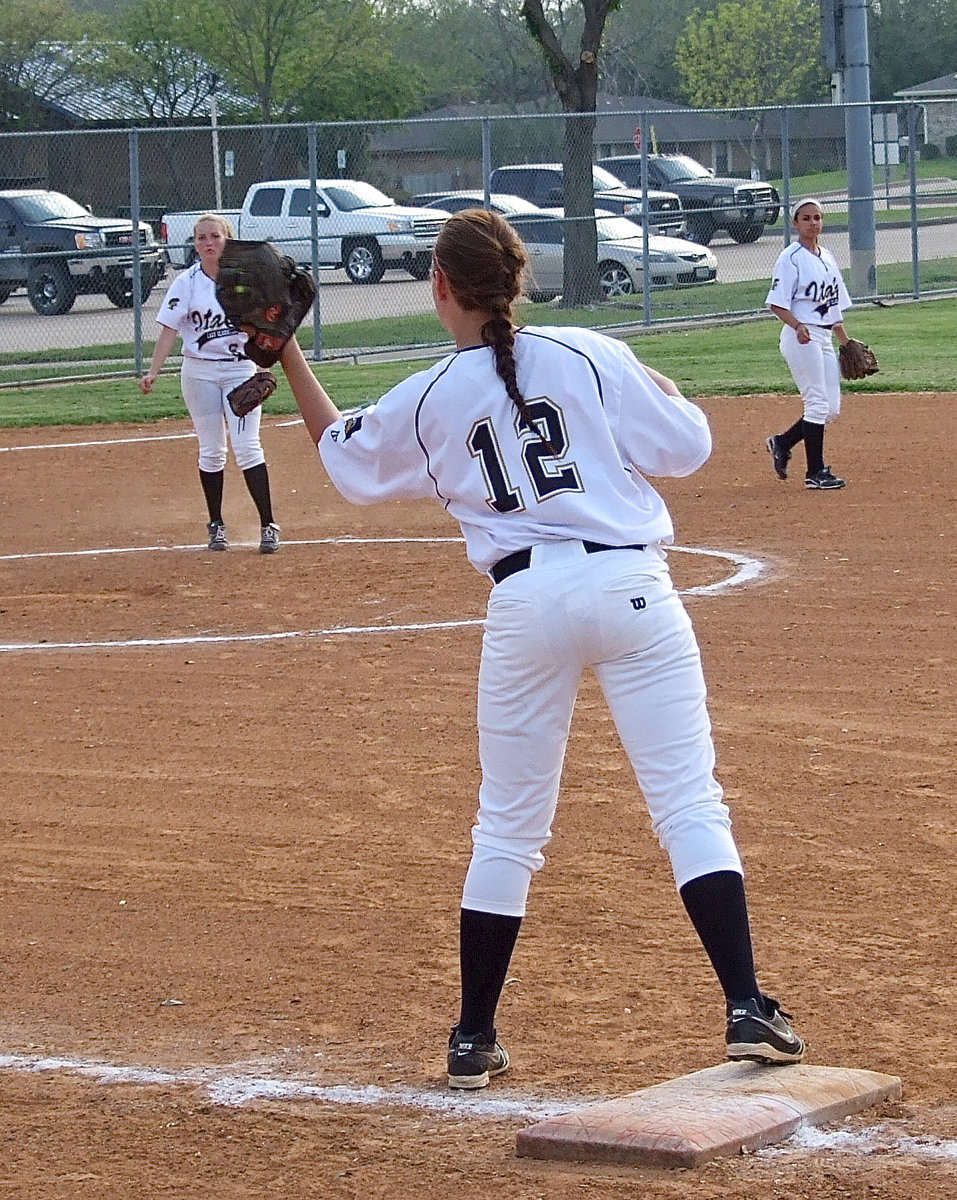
(519, 560)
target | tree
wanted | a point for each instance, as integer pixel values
(276, 50)
(638, 58)
(747, 53)
(911, 43)
(478, 52)
(576, 83)
(27, 73)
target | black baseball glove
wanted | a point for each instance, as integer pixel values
(857, 360)
(264, 294)
(251, 393)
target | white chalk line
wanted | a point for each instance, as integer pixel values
(749, 569)
(243, 1083)
(239, 1084)
(92, 443)
(877, 1139)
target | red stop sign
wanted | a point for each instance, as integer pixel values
(637, 138)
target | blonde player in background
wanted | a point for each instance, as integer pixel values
(213, 364)
(537, 441)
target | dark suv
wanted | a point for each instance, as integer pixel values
(543, 184)
(711, 202)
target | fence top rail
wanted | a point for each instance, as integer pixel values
(639, 114)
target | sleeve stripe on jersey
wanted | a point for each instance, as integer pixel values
(418, 408)
(573, 350)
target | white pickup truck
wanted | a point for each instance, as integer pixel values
(358, 228)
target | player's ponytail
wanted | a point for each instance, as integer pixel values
(484, 261)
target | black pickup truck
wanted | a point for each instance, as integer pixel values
(58, 250)
(740, 206)
(543, 184)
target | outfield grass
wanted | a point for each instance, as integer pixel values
(914, 342)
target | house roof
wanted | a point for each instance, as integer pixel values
(617, 119)
(53, 76)
(944, 85)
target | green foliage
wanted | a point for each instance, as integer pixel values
(911, 43)
(148, 54)
(752, 52)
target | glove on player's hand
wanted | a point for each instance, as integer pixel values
(857, 360)
(251, 393)
(264, 294)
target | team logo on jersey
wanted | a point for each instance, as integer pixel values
(353, 425)
(173, 302)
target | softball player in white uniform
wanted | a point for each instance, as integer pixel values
(213, 364)
(537, 441)
(809, 297)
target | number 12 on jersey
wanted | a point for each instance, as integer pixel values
(542, 449)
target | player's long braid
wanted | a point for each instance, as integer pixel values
(484, 260)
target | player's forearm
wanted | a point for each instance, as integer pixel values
(786, 316)
(312, 399)
(164, 343)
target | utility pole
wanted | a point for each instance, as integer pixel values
(846, 51)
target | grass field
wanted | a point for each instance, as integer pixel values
(912, 340)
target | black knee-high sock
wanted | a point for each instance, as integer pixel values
(212, 485)
(486, 942)
(790, 438)
(718, 910)
(814, 446)
(257, 480)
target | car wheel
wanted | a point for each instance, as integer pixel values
(700, 230)
(5, 293)
(363, 261)
(746, 233)
(420, 266)
(50, 289)
(120, 292)
(614, 280)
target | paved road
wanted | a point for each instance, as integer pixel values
(94, 321)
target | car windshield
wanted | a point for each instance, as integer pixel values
(353, 195)
(679, 169)
(47, 206)
(617, 229)
(603, 181)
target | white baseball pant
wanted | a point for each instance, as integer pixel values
(617, 612)
(816, 372)
(206, 402)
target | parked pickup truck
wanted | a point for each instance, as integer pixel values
(359, 228)
(740, 206)
(58, 250)
(543, 184)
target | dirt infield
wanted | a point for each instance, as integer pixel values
(231, 860)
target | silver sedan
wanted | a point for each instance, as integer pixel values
(673, 262)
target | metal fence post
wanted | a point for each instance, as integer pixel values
(314, 235)
(645, 252)
(137, 262)
(786, 175)
(486, 158)
(912, 173)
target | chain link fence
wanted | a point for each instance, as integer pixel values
(679, 219)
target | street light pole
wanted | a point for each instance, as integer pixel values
(213, 116)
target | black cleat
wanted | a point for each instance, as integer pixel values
(779, 457)
(217, 536)
(758, 1031)
(475, 1059)
(823, 481)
